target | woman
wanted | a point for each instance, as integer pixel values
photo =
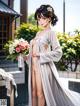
(44, 86)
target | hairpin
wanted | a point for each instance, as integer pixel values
(49, 8)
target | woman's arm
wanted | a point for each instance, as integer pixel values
(55, 54)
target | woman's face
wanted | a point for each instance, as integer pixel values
(43, 21)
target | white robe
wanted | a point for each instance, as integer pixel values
(50, 51)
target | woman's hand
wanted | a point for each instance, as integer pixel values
(26, 57)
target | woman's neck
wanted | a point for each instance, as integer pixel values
(46, 28)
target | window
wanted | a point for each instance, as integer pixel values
(4, 32)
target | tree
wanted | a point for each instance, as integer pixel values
(31, 19)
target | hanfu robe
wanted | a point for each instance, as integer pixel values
(48, 47)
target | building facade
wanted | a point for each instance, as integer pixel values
(8, 18)
(7, 22)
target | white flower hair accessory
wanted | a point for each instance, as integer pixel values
(49, 9)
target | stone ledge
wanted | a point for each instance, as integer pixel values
(65, 74)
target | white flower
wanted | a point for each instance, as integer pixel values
(11, 49)
(13, 44)
(16, 42)
(21, 40)
(49, 9)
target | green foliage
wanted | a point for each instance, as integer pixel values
(31, 19)
(71, 51)
(6, 48)
(27, 31)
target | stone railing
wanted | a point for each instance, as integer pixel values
(66, 74)
(71, 80)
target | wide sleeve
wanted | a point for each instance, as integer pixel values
(56, 52)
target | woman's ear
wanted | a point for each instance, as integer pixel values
(49, 19)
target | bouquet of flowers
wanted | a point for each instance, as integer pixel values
(17, 49)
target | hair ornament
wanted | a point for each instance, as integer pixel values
(49, 9)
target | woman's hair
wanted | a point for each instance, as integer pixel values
(46, 11)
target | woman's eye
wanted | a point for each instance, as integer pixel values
(44, 18)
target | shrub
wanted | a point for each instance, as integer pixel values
(71, 51)
(27, 31)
